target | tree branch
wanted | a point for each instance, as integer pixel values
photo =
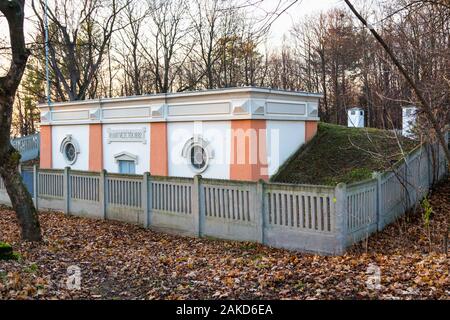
(426, 107)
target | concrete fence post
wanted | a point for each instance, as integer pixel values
(103, 193)
(438, 162)
(341, 227)
(35, 186)
(434, 163)
(147, 199)
(430, 165)
(380, 213)
(66, 190)
(406, 182)
(260, 211)
(150, 200)
(198, 210)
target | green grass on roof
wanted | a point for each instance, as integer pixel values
(340, 154)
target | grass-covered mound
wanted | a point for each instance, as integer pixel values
(340, 154)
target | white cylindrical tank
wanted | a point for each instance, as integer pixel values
(355, 118)
(409, 116)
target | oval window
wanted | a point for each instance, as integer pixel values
(70, 152)
(198, 158)
(70, 149)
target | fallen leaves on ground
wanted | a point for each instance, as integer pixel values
(121, 261)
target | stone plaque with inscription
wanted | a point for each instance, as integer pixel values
(127, 135)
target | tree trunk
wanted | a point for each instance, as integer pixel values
(20, 197)
(21, 200)
(9, 163)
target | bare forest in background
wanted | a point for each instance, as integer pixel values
(112, 48)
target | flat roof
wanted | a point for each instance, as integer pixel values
(205, 92)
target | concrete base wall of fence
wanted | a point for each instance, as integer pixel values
(133, 216)
(85, 209)
(51, 204)
(174, 224)
(320, 219)
(328, 244)
(231, 231)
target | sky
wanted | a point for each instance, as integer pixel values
(301, 8)
(283, 23)
(280, 26)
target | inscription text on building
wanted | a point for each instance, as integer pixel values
(127, 135)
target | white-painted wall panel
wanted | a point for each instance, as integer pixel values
(139, 149)
(199, 109)
(80, 133)
(217, 133)
(283, 139)
(286, 108)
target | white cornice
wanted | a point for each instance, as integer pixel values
(172, 96)
(212, 105)
(185, 119)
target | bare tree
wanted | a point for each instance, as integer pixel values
(130, 57)
(170, 50)
(424, 104)
(163, 46)
(206, 20)
(80, 33)
(13, 10)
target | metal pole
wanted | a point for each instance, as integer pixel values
(47, 67)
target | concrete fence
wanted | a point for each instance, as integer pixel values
(310, 218)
